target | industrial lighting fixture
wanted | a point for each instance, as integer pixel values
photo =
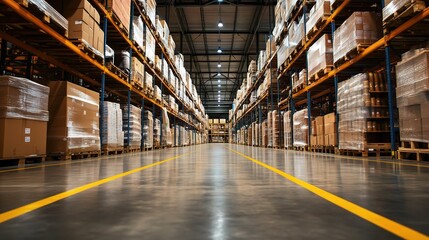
(219, 65)
(218, 105)
(220, 24)
(220, 1)
(218, 91)
(218, 74)
(218, 80)
(219, 50)
(218, 95)
(219, 85)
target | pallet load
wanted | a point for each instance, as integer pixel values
(148, 83)
(401, 8)
(250, 135)
(73, 127)
(296, 35)
(167, 137)
(23, 118)
(318, 132)
(412, 95)
(318, 15)
(121, 10)
(150, 46)
(300, 129)
(157, 133)
(283, 52)
(138, 31)
(264, 133)
(150, 8)
(133, 124)
(299, 81)
(359, 31)
(270, 129)
(112, 135)
(287, 130)
(137, 73)
(276, 129)
(363, 114)
(320, 58)
(147, 129)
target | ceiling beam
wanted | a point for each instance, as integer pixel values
(191, 32)
(223, 53)
(211, 3)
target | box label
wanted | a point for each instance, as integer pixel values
(27, 130)
(27, 139)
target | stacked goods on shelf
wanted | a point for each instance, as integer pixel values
(319, 57)
(363, 113)
(296, 34)
(74, 119)
(276, 128)
(262, 59)
(137, 72)
(318, 131)
(150, 9)
(394, 8)
(287, 129)
(112, 135)
(121, 9)
(138, 31)
(157, 133)
(51, 12)
(280, 14)
(23, 117)
(133, 124)
(270, 48)
(264, 127)
(412, 95)
(250, 135)
(83, 23)
(330, 130)
(300, 128)
(270, 129)
(148, 82)
(157, 93)
(290, 6)
(167, 137)
(318, 14)
(299, 80)
(283, 52)
(359, 31)
(147, 129)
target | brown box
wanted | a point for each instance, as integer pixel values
(314, 128)
(321, 140)
(424, 110)
(314, 141)
(74, 119)
(329, 118)
(22, 138)
(425, 124)
(330, 128)
(331, 140)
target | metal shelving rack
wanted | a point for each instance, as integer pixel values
(42, 38)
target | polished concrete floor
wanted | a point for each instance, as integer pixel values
(212, 192)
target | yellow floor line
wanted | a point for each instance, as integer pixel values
(383, 222)
(49, 200)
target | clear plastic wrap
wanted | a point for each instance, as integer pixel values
(167, 138)
(296, 33)
(112, 134)
(283, 52)
(51, 12)
(148, 81)
(320, 55)
(393, 6)
(287, 129)
(262, 59)
(134, 124)
(360, 29)
(300, 128)
(264, 134)
(276, 128)
(150, 45)
(148, 129)
(138, 31)
(74, 119)
(412, 74)
(280, 14)
(21, 98)
(320, 10)
(157, 93)
(290, 5)
(150, 7)
(270, 128)
(157, 133)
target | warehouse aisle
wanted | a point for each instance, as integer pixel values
(213, 191)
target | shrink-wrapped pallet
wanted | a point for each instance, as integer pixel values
(283, 52)
(147, 129)
(360, 30)
(287, 129)
(150, 45)
(320, 55)
(138, 31)
(270, 129)
(393, 7)
(112, 134)
(300, 128)
(276, 128)
(157, 133)
(321, 10)
(296, 33)
(133, 125)
(264, 133)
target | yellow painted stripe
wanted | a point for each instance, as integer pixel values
(385, 223)
(49, 200)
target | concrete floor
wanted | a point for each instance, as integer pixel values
(212, 192)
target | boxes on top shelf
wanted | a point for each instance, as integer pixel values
(320, 56)
(23, 117)
(121, 8)
(319, 12)
(138, 31)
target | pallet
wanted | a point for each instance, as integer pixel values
(322, 72)
(300, 148)
(377, 149)
(87, 49)
(121, 26)
(147, 149)
(132, 149)
(119, 72)
(67, 156)
(112, 151)
(411, 8)
(413, 150)
(351, 54)
(139, 48)
(22, 161)
(299, 88)
(316, 27)
(323, 149)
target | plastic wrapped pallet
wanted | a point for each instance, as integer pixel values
(287, 129)
(148, 81)
(148, 129)
(300, 128)
(133, 124)
(150, 45)
(276, 128)
(264, 134)
(50, 11)
(321, 10)
(74, 120)
(320, 55)
(290, 6)
(137, 72)
(167, 137)
(262, 59)
(412, 76)
(157, 93)
(112, 134)
(157, 133)
(393, 6)
(280, 14)
(361, 29)
(250, 135)
(283, 52)
(23, 117)
(296, 33)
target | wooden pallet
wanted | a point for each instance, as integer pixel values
(132, 149)
(351, 54)
(112, 151)
(88, 50)
(411, 8)
(67, 156)
(121, 26)
(147, 149)
(139, 48)
(300, 148)
(413, 150)
(22, 161)
(372, 149)
(322, 72)
(323, 149)
(116, 70)
(299, 88)
(316, 27)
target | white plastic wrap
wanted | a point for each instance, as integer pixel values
(360, 29)
(150, 46)
(47, 9)
(283, 52)
(157, 133)
(296, 33)
(135, 127)
(21, 98)
(112, 134)
(138, 31)
(276, 128)
(393, 6)
(300, 128)
(320, 55)
(148, 129)
(157, 93)
(321, 10)
(287, 129)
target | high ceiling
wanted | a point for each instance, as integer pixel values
(194, 27)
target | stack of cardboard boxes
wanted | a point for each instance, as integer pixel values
(121, 8)
(112, 135)
(300, 128)
(23, 117)
(147, 129)
(320, 55)
(330, 130)
(137, 72)
(319, 11)
(287, 129)
(74, 119)
(132, 126)
(317, 131)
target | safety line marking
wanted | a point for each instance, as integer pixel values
(55, 198)
(383, 222)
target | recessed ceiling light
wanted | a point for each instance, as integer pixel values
(218, 80)
(218, 91)
(218, 95)
(218, 105)
(220, 24)
(219, 65)
(219, 85)
(219, 50)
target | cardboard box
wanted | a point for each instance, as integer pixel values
(329, 118)
(330, 128)
(321, 140)
(313, 140)
(22, 138)
(331, 139)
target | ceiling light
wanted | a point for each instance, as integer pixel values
(218, 85)
(219, 50)
(218, 91)
(220, 0)
(218, 74)
(219, 65)
(218, 95)
(218, 80)
(220, 24)
(218, 105)
(218, 101)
